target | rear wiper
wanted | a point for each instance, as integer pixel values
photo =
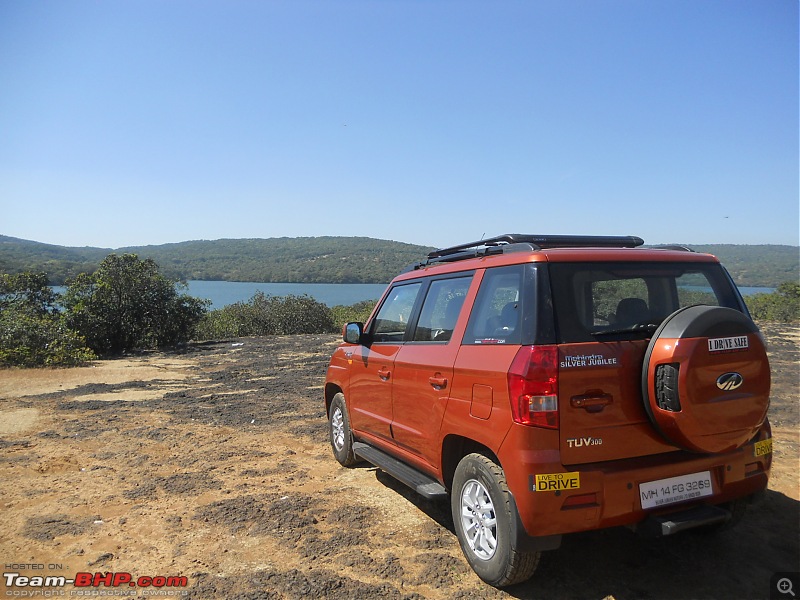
(637, 328)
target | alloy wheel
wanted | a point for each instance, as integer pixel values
(337, 429)
(478, 519)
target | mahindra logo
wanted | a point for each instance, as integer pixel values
(729, 381)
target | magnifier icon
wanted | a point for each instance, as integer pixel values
(784, 586)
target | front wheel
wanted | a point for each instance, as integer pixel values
(481, 505)
(340, 434)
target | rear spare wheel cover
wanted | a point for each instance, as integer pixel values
(706, 379)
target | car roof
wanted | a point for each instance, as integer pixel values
(554, 255)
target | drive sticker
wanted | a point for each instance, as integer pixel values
(728, 344)
(588, 360)
(762, 448)
(552, 482)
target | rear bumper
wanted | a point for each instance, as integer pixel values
(607, 494)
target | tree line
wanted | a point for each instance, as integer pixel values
(326, 260)
(127, 304)
(274, 260)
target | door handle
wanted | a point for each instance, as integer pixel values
(384, 373)
(438, 382)
(592, 402)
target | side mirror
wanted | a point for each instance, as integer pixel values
(353, 332)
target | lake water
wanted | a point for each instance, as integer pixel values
(749, 291)
(744, 291)
(222, 293)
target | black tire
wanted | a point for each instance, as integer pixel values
(481, 505)
(341, 437)
(667, 396)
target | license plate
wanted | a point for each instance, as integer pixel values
(664, 492)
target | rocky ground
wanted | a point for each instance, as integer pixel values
(213, 464)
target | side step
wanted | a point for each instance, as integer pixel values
(423, 484)
(680, 521)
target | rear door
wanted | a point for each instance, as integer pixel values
(606, 314)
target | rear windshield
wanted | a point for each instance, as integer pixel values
(607, 301)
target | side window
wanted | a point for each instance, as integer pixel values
(496, 318)
(392, 318)
(441, 309)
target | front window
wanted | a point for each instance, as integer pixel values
(392, 319)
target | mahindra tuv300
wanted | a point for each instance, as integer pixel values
(553, 384)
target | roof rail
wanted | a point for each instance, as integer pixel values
(539, 242)
(519, 242)
(680, 247)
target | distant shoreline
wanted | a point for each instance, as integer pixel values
(223, 293)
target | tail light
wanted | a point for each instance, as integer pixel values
(533, 386)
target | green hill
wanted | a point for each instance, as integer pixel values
(765, 265)
(327, 260)
(296, 260)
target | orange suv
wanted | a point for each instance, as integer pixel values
(555, 384)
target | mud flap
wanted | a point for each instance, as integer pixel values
(523, 542)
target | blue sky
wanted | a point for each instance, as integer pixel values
(432, 122)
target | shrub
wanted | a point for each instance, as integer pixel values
(33, 341)
(782, 305)
(27, 292)
(127, 304)
(218, 324)
(32, 331)
(267, 315)
(358, 312)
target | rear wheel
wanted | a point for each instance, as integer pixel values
(340, 435)
(481, 505)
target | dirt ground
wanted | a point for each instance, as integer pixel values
(213, 464)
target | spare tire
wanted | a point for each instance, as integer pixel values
(706, 379)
